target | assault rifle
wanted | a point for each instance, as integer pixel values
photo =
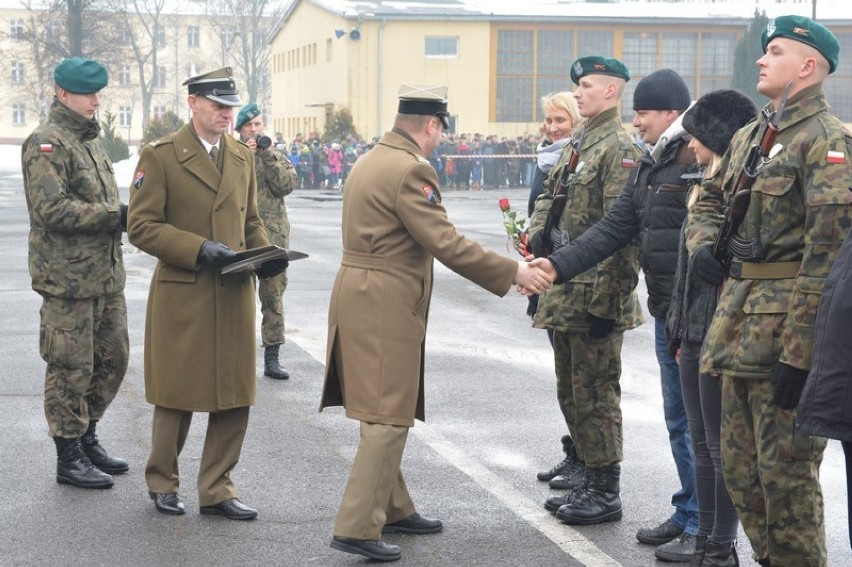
(560, 193)
(735, 211)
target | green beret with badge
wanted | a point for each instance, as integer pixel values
(596, 65)
(247, 113)
(807, 31)
(78, 75)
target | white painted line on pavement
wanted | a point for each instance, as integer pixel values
(568, 539)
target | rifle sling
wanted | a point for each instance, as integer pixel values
(763, 270)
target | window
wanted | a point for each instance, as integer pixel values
(159, 80)
(193, 36)
(680, 52)
(126, 33)
(160, 34)
(554, 55)
(124, 116)
(640, 52)
(442, 46)
(159, 112)
(16, 28)
(717, 54)
(124, 75)
(228, 36)
(594, 43)
(514, 76)
(17, 73)
(19, 114)
(327, 51)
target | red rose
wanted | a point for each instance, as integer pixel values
(504, 204)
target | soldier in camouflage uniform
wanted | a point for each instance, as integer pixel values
(761, 338)
(276, 178)
(75, 261)
(590, 313)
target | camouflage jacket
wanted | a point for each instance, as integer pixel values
(276, 178)
(801, 211)
(606, 290)
(74, 208)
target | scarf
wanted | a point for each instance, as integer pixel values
(549, 155)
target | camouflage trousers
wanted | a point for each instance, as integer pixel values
(772, 474)
(588, 371)
(86, 347)
(271, 291)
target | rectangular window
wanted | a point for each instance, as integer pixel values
(328, 45)
(126, 33)
(124, 75)
(160, 34)
(19, 114)
(228, 36)
(17, 73)
(16, 28)
(515, 70)
(680, 52)
(159, 77)
(124, 116)
(442, 46)
(193, 36)
(640, 53)
(555, 53)
(595, 43)
(838, 90)
(717, 54)
(159, 112)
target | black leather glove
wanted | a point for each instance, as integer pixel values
(215, 254)
(271, 268)
(706, 267)
(122, 222)
(599, 327)
(537, 245)
(787, 385)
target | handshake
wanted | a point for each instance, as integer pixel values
(534, 277)
(216, 255)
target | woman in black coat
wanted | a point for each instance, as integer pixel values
(825, 408)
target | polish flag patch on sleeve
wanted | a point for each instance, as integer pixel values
(835, 157)
(627, 162)
(45, 148)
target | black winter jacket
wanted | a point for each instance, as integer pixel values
(825, 408)
(652, 206)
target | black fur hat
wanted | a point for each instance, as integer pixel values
(716, 116)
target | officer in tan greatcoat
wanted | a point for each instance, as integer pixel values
(393, 227)
(193, 203)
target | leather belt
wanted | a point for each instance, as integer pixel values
(763, 270)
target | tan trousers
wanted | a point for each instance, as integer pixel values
(376, 493)
(225, 433)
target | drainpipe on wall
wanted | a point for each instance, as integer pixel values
(379, 104)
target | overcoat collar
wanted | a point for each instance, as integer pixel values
(401, 142)
(191, 155)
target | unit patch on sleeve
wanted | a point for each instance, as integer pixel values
(431, 196)
(137, 179)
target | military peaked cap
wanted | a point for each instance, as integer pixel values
(595, 65)
(807, 31)
(80, 76)
(425, 101)
(216, 85)
(248, 112)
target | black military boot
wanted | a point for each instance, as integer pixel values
(559, 468)
(721, 555)
(271, 367)
(599, 502)
(74, 467)
(554, 503)
(572, 477)
(98, 455)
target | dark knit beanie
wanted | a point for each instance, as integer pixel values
(715, 118)
(661, 90)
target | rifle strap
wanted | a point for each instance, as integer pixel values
(763, 270)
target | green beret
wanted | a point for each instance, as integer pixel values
(80, 76)
(807, 31)
(248, 112)
(595, 65)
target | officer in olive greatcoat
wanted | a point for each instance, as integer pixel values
(276, 178)
(193, 203)
(75, 261)
(393, 227)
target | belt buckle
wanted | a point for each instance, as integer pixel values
(735, 269)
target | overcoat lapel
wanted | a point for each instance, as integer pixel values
(233, 169)
(191, 155)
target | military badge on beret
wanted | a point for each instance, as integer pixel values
(770, 27)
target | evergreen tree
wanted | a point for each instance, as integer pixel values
(157, 128)
(749, 49)
(340, 127)
(114, 145)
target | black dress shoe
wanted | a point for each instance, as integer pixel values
(232, 509)
(372, 548)
(414, 524)
(168, 503)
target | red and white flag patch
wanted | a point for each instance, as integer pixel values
(627, 162)
(835, 157)
(45, 148)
